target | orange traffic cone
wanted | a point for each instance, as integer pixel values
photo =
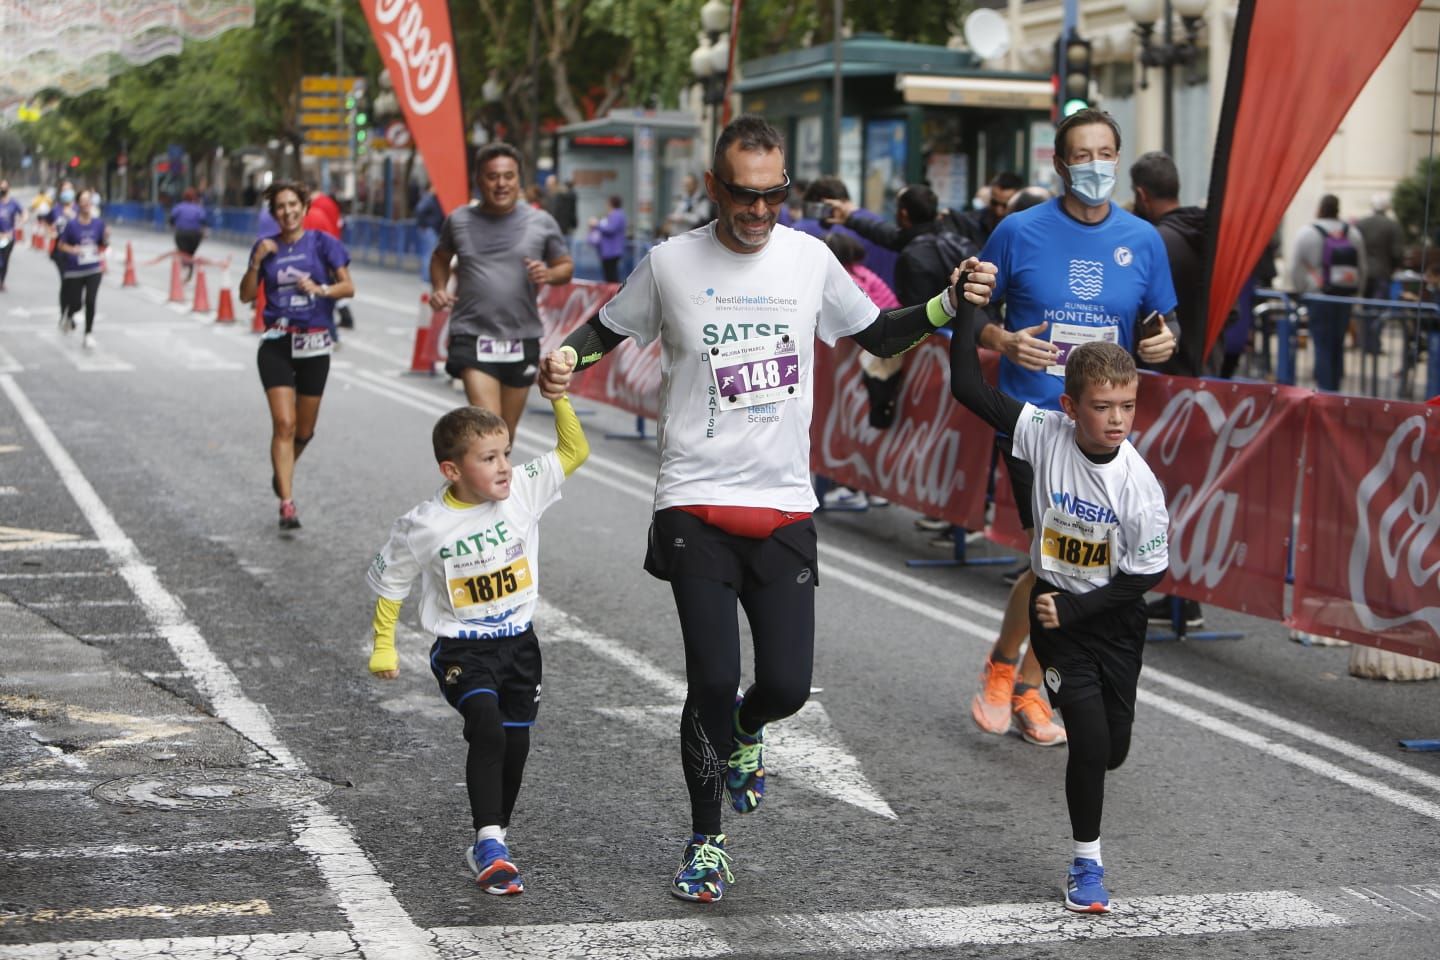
(177, 282)
(225, 309)
(202, 294)
(422, 359)
(258, 324)
(129, 280)
(19, 234)
(37, 241)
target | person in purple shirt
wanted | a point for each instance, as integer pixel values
(610, 232)
(190, 222)
(80, 248)
(11, 216)
(301, 273)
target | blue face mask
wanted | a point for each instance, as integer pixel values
(1093, 182)
(67, 196)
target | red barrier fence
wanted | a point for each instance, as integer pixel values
(1230, 455)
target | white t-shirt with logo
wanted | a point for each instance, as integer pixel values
(741, 436)
(1092, 520)
(479, 567)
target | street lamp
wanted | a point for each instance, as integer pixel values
(1168, 53)
(710, 61)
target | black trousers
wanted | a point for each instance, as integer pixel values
(75, 289)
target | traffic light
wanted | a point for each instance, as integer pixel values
(1072, 93)
(358, 116)
(74, 162)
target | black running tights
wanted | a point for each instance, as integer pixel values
(1098, 740)
(495, 762)
(782, 622)
(73, 289)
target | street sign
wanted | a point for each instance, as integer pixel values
(323, 119)
(327, 135)
(397, 135)
(331, 102)
(328, 84)
(330, 151)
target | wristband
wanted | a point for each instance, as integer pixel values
(938, 310)
(572, 352)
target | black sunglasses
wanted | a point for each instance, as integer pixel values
(746, 196)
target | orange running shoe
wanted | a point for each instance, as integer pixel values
(991, 707)
(1037, 722)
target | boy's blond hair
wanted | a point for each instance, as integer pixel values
(454, 431)
(1096, 363)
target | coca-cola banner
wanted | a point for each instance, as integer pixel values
(1367, 556)
(629, 377)
(935, 457)
(415, 43)
(1228, 457)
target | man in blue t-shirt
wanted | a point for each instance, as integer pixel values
(11, 216)
(1072, 270)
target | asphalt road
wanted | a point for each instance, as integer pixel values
(194, 761)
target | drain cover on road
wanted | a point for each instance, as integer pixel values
(212, 790)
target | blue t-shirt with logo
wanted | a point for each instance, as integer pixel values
(1089, 281)
(9, 212)
(90, 238)
(315, 255)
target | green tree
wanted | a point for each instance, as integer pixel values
(1409, 199)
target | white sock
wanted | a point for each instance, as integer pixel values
(1088, 851)
(492, 832)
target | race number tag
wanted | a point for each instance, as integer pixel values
(6, 239)
(481, 586)
(1068, 336)
(1081, 549)
(759, 370)
(311, 343)
(499, 351)
(89, 253)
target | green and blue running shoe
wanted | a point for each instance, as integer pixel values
(494, 872)
(1085, 887)
(745, 771)
(704, 871)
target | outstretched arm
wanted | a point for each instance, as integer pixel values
(895, 331)
(384, 661)
(585, 347)
(968, 385)
(571, 446)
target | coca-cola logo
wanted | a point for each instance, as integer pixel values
(1202, 512)
(919, 457)
(1397, 522)
(425, 71)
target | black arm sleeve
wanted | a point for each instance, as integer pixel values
(591, 341)
(879, 232)
(1123, 589)
(895, 331)
(967, 384)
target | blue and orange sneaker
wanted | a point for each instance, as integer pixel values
(494, 873)
(745, 770)
(1085, 887)
(704, 870)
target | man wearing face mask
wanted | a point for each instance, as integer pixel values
(1071, 270)
(11, 216)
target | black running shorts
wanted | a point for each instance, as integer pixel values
(1097, 656)
(507, 668)
(460, 356)
(683, 545)
(277, 369)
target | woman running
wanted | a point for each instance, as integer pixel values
(304, 272)
(80, 247)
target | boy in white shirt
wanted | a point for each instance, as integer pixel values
(1101, 544)
(475, 546)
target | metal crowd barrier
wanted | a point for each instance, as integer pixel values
(1394, 352)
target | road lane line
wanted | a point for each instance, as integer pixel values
(380, 923)
(200, 849)
(147, 911)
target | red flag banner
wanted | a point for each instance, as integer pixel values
(1227, 455)
(1301, 60)
(1367, 556)
(935, 457)
(416, 45)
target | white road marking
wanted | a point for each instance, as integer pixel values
(18, 538)
(54, 786)
(8, 364)
(56, 574)
(380, 923)
(10, 447)
(804, 746)
(68, 604)
(126, 850)
(86, 361)
(149, 911)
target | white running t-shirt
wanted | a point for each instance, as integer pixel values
(1092, 520)
(479, 567)
(740, 436)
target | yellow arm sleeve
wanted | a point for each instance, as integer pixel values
(571, 445)
(387, 614)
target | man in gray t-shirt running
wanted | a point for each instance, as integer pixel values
(504, 251)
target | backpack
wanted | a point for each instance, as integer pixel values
(1339, 263)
